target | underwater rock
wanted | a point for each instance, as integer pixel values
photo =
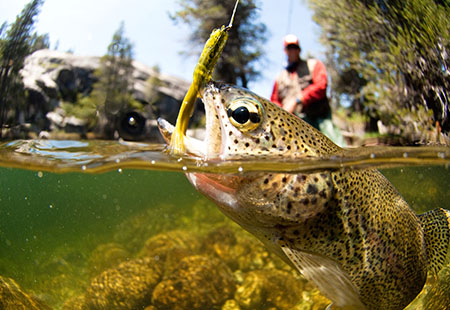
(439, 295)
(173, 258)
(12, 297)
(160, 245)
(231, 304)
(135, 230)
(106, 256)
(129, 286)
(75, 303)
(239, 250)
(199, 282)
(220, 242)
(269, 288)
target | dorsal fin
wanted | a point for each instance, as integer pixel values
(328, 275)
(436, 226)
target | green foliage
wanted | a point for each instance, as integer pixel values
(15, 44)
(389, 59)
(244, 50)
(85, 108)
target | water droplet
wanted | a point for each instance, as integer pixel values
(117, 160)
(179, 159)
(372, 155)
(405, 155)
(119, 170)
(153, 162)
(40, 174)
(50, 206)
(240, 169)
(83, 167)
(184, 168)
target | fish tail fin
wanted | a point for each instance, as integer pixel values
(436, 227)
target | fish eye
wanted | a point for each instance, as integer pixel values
(245, 113)
(241, 115)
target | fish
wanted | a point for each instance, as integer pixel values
(348, 231)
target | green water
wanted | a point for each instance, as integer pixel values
(63, 200)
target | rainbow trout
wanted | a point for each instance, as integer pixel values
(349, 232)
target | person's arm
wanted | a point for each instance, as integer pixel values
(318, 89)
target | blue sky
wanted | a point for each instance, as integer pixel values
(86, 27)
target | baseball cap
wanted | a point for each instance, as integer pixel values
(290, 39)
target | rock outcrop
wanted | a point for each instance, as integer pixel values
(52, 77)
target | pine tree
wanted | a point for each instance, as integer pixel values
(243, 52)
(390, 58)
(14, 47)
(112, 93)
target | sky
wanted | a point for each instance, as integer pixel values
(86, 27)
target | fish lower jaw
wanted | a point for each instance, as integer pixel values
(192, 145)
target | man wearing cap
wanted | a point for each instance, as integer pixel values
(301, 88)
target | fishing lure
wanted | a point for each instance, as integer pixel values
(202, 75)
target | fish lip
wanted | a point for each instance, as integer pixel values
(211, 146)
(193, 146)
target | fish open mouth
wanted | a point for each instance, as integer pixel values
(211, 146)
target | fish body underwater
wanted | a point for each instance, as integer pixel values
(350, 232)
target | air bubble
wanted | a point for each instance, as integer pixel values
(119, 170)
(40, 174)
(405, 155)
(240, 169)
(184, 168)
(83, 168)
(372, 155)
(441, 155)
(153, 162)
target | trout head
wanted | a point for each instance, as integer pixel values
(241, 125)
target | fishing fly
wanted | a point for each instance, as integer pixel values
(202, 75)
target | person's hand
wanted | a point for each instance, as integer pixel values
(290, 104)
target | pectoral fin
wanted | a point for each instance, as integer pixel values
(328, 275)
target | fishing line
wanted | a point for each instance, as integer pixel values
(288, 29)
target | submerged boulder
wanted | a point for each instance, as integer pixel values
(269, 288)
(12, 297)
(128, 286)
(199, 282)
